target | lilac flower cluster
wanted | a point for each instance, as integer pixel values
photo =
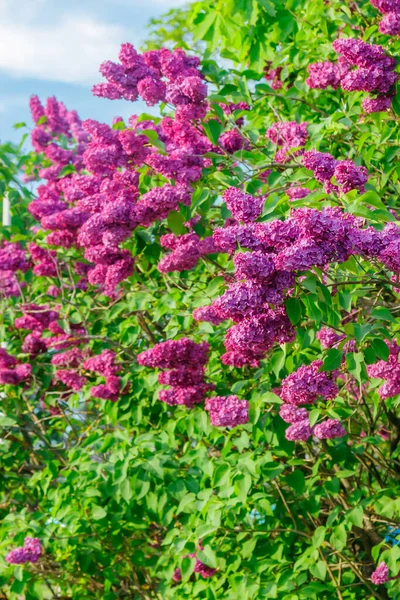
(186, 383)
(97, 212)
(13, 258)
(157, 76)
(305, 386)
(104, 364)
(390, 23)
(243, 207)
(287, 136)
(227, 411)
(186, 251)
(53, 123)
(389, 371)
(373, 72)
(279, 250)
(273, 75)
(12, 372)
(381, 574)
(31, 551)
(348, 175)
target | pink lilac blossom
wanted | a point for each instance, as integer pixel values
(243, 207)
(385, 6)
(186, 251)
(232, 141)
(296, 193)
(184, 395)
(363, 55)
(328, 429)
(323, 75)
(71, 379)
(208, 314)
(109, 391)
(390, 23)
(174, 353)
(227, 411)
(103, 363)
(306, 384)
(273, 75)
(328, 337)
(11, 372)
(381, 574)
(292, 414)
(300, 431)
(378, 104)
(31, 551)
(389, 371)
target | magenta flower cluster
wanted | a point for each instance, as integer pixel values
(185, 363)
(290, 137)
(31, 551)
(389, 371)
(390, 22)
(361, 67)
(347, 174)
(381, 574)
(305, 386)
(12, 372)
(13, 258)
(156, 76)
(227, 411)
(186, 251)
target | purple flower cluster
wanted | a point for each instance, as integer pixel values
(186, 383)
(381, 574)
(273, 75)
(373, 72)
(31, 551)
(348, 175)
(287, 136)
(243, 207)
(374, 69)
(53, 125)
(104, 364)
(327, 74)
(227, 411)
(186, 251)
(13, 258)
(12, 372)
(390, 23)
(157, 76)
(389, 371)
(305, 386)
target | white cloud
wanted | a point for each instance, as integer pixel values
(69, 50)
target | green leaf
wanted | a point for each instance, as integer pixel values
(319, 570)
(175, 222)
(319, 536)
(268, 6)
(98, 513)
(381, 349)
(356, 516)
(213, 129)
(294, 309)
(332, 360)
(383, 314)
(208, 557)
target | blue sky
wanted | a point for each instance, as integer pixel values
(55, 47)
